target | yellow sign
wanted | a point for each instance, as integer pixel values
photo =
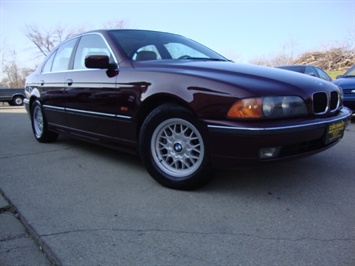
(335, 131)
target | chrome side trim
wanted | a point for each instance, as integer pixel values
(123, 116)
(64, 109)
(53, 107)
(89, 112)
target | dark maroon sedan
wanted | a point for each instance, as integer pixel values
(179, 105)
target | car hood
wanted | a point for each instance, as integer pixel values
(262, 80)
(345, 83)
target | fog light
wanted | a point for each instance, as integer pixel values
(267, 153)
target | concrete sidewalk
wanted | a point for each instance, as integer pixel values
(17, 247)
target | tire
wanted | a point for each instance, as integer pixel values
(173, 149)
(17, 101)
(40, 125)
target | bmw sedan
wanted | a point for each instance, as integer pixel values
(308, 70)
(347, 83)
(183, 108)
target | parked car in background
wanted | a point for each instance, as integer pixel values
(309, 70)
(347, 83)
(179, 105)
(13, 97)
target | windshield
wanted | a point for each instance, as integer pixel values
(149, 45)
(350, 72)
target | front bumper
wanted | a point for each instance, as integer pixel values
(239, 144)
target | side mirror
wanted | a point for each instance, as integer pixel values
(97, 61)
(102, 62)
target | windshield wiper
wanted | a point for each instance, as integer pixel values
(186, 57)
(216, 59)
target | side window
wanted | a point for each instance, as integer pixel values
(62, 57)
(48, 65)
(310, 71)
(322, 74)
(90, 45)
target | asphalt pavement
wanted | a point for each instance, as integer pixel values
(74, 203)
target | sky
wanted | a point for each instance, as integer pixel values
(238, 29)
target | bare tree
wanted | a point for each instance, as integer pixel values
(350, 39)
(4, 51)
(12, 75)
(116, 24)
(46, 40)
(273, 60)
(286, 56)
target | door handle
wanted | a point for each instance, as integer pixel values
(69, 82)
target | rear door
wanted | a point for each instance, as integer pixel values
(51, 83)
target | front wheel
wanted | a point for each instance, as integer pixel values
(173, 149)
(40, 125)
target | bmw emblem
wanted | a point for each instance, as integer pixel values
(178, 147)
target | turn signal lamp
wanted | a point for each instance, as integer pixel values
(246, 108)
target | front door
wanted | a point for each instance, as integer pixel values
(91, 96)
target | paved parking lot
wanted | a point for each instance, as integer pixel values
(89, 205)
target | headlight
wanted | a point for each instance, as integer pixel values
(268, 107)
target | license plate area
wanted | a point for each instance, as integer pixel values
(335, 131)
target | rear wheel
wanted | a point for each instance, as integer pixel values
(17, 101)
(40, 125)
(173, 149)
